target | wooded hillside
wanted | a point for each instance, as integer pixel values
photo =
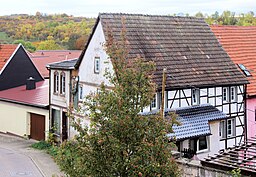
(55, 31)
(62, 31)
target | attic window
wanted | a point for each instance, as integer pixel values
(245, 70)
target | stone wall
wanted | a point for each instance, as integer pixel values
(193, 168)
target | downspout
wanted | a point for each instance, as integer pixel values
(50, 118)
(245, 112)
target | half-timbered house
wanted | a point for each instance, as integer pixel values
(203, 86)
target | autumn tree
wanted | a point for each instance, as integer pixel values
(120, 140)
(49, 44)
(28, 45)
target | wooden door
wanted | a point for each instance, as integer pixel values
(37, 126)
(64, 126)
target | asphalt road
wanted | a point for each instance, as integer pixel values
(16, 164)
(18, 159)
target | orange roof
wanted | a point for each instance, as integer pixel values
(43, 57)
(6, 51)
(240, 44)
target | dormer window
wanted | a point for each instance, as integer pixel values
(195, 96)
(62, 83)
(96, 65)
(56, 82)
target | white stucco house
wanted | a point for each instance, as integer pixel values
(203, 86)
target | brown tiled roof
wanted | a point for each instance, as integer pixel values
(6, 51)
(240, 43)
(43, 57)
(185, 46)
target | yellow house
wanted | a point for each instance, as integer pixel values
(24, 110)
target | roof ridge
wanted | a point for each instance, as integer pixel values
(147, 15)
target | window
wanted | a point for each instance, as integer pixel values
(245, 70)
(232, 94)
(222, 129)
(199, 144)
(229, 94)
(225, 94)
(202, 143)
(227, 128)
(81, 92)
(153, 103)
(56, 82)
(56, 121)
(230, 127)
(96, 65)
(195, 96)
(62, 83)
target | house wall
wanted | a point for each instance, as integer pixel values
(18, 70)
(88, 78)
(251, 120)
(214, 96)
(15, 118)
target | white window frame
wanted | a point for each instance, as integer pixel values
(227, 128)
(56, 82)
(154, 102)
(96, 65)
(233, 94)
(231, 123)
(62, 83)
(195, 96)
(207, 144)
(222, 129)
(225, 94)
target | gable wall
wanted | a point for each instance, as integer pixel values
(88, 78)
(18, 70)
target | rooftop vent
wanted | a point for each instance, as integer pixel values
(31, 83)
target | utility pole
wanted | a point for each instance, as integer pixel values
(163, 91)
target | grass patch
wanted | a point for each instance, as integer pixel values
(43, 145)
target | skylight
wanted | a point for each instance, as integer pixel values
(245, 70)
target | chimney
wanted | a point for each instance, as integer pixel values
(31, 83)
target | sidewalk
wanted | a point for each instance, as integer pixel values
(42, 160)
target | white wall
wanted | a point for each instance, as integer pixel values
(58, 99)
(15, 118)
(90, 80)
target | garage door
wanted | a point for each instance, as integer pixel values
(37, 126)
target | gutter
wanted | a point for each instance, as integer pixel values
(26, 104)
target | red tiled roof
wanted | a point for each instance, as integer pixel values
(38, 97)
(43, 57)
(240, 43)
(6, 51)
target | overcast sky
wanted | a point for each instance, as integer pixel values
(91, 8)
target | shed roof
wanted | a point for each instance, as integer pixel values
(38, 97)
(185, 46)
(195, 121)
(240, 43)
(67, 64)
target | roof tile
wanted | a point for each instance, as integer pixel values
(240, 43)
(186, 46)
(6, 51)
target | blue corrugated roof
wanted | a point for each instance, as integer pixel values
(194, 121)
